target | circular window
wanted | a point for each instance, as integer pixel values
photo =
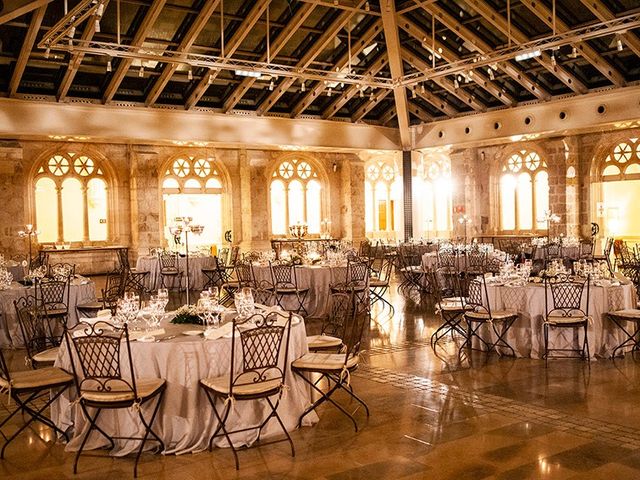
(202, 167)
(622, 152)
(372, 172)
(286, 170)
(304, 170)
(83, 166)
(58, 165)
(388, 173)
(181, 167)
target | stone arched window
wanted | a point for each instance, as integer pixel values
(71, 198)
(617, 172)
(192, 186)
(296, 190)
(434, 195)
(524, 192)
(622, 162)
(383, 192)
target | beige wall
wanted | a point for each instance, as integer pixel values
(136, 216)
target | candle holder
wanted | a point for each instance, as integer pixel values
(183, 225)
(299, 230)
(28, 232)
(550, 218)
(464, 220)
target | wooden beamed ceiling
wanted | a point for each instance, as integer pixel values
(392, 39)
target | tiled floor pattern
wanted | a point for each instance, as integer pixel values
(625, 436)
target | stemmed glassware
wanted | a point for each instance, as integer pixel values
(244, 302)
(163, 297)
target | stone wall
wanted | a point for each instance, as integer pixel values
(136, 211)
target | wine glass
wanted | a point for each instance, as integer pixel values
(163, 296)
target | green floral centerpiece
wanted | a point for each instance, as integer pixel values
(187, 314)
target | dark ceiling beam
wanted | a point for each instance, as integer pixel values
(447, 54)
(442, 105)
(419, 112)
(392, 40)
(230, 48)
(500, 23)
(352, 90)
(16, 8)
(314, 50)
(602, 13)
(76, 59)
(197, 24)
(369, 104)
(25, 50)
(314, 92)
(279, 42)
(588, 52)
(481, 46)
(387, 116)
(138, 39)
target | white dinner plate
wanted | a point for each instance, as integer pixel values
(193, 333)
(146, 339)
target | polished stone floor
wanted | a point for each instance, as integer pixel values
(432, 416)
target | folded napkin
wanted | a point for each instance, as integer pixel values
(151, 333)
(215, 333)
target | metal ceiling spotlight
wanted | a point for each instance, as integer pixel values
(619, 44)
(553, 59)
(456, 84)
(413, 94)
(302, 87)
(361, 93)
(98, 15)
(141, 71)
(271, 86)
(491, 74)
(190, 74)
(422, 89)
(109, 64)
(367, 7)
(329, 92)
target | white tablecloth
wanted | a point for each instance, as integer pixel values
(526, 334)
(185, 420)
(196, 277)
(317, 278)
(82, 290)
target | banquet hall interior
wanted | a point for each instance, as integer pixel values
(319, 239)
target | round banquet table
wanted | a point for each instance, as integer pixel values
(82, 290)
(569, 252)
(317, 278)
(196, 264)
(430, 260)
(185, 420)
(526, 334)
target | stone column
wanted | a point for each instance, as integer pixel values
(14, 192)
(353, 208)
(246, 202)
(145, 189)
(557, 168)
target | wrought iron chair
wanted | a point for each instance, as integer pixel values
(41, 334)
(566, 312)
(260, 376)
(114, 289)
(333, 327)
(53, 297)
(622, 319)
(355, 280)
(134, 279)
(62, 270)
(169, 268)
(478, 314)
(40, 260)
(100, 384)
(552, 251)
(244, 277)
(284, 279)
(450, 304)
(336, 368)
(379, 284)
(476, 263)
(24, 387)
(216, 276)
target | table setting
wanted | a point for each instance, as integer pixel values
(182, 347)
(82, 290)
